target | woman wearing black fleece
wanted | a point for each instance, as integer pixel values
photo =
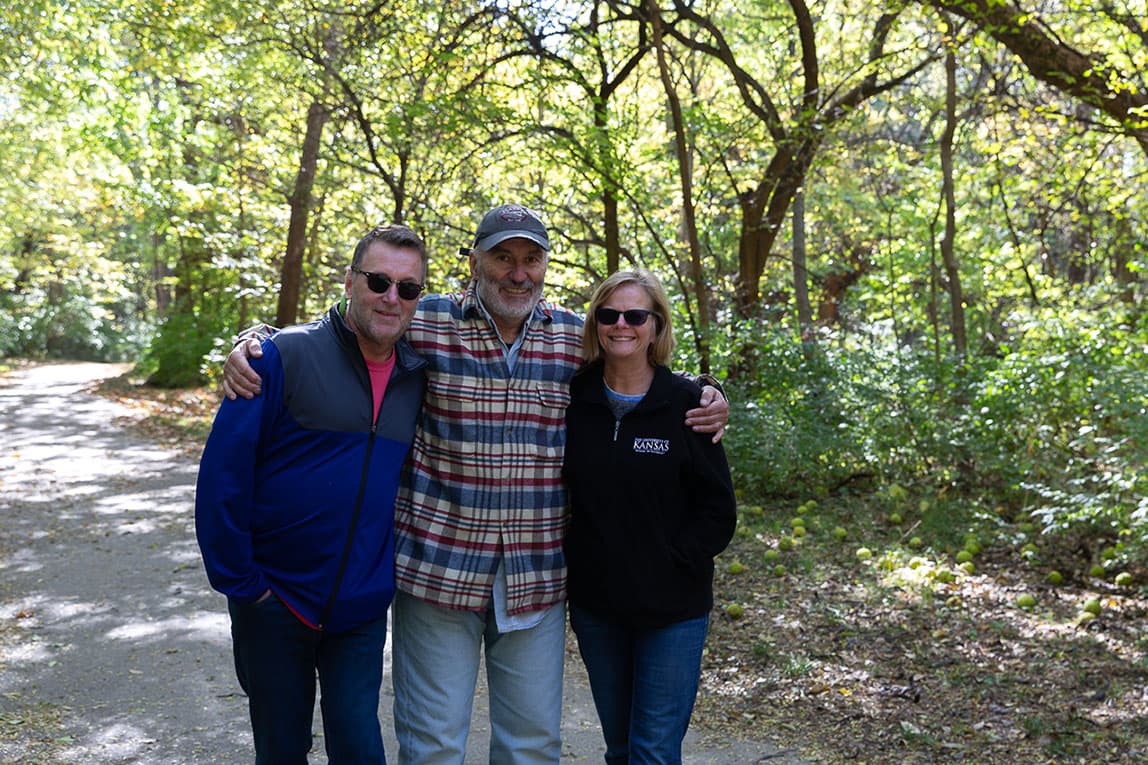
(652, 504)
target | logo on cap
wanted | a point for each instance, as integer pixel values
(514, 213)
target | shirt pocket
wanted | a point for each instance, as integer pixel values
(554, 396)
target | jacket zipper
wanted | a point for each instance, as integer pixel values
(354, 520)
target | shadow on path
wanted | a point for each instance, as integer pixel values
(115, 649)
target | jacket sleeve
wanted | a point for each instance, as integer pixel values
(225, 487)
(712, 506)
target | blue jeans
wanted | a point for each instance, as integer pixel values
(434, 666)
(276, 660)
(644, 682)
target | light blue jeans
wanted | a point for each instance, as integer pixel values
(435, 658)
(644, 683)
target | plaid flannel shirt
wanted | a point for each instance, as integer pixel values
(483, 484)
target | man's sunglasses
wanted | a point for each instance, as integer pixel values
(635, 317)
(380, 284)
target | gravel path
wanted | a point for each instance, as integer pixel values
(113, 648)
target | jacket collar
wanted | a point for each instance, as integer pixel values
(589, 386)
(406, 357)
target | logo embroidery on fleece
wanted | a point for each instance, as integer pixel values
(651, 445)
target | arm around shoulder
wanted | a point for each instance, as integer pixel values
(712, 413)
(239, 379)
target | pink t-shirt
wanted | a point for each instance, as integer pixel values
(380, 375)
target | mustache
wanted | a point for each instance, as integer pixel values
(525, 283)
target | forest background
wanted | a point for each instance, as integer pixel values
(910, 236)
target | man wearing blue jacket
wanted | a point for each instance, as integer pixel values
(294, 508)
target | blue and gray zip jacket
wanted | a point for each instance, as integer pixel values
(296, 488)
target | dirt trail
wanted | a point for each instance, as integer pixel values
(113, 648)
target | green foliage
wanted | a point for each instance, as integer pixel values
(178, 353)
(69, 329)
(1056, 428)
(1063, 420)
(791, 429)
(67, 305)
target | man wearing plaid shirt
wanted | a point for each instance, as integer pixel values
(481, 515)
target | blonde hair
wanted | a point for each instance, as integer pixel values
(663, 344)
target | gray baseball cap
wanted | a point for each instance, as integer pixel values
(510, 222)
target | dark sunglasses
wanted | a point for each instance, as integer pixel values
(635, 317)
(380, 284)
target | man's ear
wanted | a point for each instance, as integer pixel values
(472, 257)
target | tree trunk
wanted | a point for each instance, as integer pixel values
(611, 227)
(948, 251)
(800, 274)
(612, 230)
(291, 275)
(685, 175)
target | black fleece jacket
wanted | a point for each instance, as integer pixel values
(651, 504)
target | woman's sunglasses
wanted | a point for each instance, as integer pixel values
(380, 284)
(635, 317)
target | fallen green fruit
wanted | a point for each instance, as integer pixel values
(1092, 606)
(1026, 601)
